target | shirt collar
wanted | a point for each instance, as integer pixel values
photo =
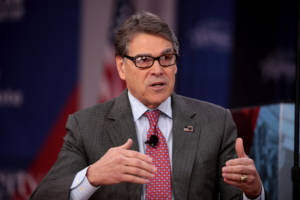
(138, 108)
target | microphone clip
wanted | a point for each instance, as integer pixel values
(152, 141)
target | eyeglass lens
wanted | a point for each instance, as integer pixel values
(147, 61)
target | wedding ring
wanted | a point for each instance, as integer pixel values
(243, 178)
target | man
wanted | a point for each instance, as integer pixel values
(150, 143)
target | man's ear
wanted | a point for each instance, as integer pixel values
(120, 67)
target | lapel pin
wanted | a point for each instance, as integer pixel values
(189, 129)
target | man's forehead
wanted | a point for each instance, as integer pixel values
(143, 43)
(148, 53)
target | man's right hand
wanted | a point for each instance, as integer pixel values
(120, 164)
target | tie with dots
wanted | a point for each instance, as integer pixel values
(159, 186)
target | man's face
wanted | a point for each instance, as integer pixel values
(151, 85)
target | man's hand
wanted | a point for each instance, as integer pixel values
(120, 164)
(241, 172)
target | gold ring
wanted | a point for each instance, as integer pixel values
(243, 178)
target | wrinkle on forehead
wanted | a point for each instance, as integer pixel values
(163, 52)
(142, 46)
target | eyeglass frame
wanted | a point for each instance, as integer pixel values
(133, 59)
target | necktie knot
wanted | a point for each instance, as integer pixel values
(153, 117)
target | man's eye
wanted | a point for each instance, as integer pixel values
(167, 57)
(143, 59)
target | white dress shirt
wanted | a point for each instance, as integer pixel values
(81, 189)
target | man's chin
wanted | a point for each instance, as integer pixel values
(155, 101)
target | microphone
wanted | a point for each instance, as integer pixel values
(153, 140)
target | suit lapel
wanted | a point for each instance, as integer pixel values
(120, 127)
(185, 140)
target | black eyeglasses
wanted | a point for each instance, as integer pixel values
(165, 60)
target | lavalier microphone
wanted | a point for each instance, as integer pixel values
(153, 140)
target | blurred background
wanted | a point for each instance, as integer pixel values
(57, 57)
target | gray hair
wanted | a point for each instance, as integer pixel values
(144, 22)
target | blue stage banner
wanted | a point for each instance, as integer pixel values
(205, 34)
(237, 54)
(38, 87)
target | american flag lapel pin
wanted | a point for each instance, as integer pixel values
(188, 128)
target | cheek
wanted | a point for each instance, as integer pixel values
(172, 76)
(136, 79)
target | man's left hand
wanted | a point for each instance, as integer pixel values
(241, 172)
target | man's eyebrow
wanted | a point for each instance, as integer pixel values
(166, 51)
(143, 54)
(169, 50)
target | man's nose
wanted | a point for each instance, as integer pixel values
(156, 68)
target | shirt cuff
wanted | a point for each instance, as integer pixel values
(260, 197)
(81, 188)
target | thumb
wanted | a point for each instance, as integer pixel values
(127, 145)
(239, 148)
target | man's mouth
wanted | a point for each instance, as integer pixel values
(158, 84)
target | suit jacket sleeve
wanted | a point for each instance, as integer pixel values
(227, 152)
(91, 132)
(71, 159)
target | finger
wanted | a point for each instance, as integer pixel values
(127, 145)
(240, 161)
(237, 169)
(138, 172)
(137, 155)
(239, 147)
(234, 177)
(141, 164)
(134, 179)
(131, 153)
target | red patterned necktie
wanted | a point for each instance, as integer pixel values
(159, 186)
